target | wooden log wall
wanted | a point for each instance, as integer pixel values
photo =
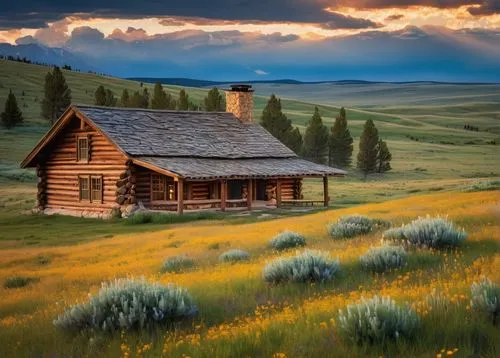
(62, 169)
(143, 186)
(41, 197)
(199, 191)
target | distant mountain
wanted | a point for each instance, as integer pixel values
(38, 53)
(190, 82)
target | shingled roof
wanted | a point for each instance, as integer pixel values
(195, 145)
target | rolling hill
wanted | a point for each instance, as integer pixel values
(423, 123)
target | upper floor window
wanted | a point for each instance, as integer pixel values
(82, 150)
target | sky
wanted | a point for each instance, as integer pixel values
(310, 40)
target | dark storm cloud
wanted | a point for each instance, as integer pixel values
(488, 7)
(347, 22)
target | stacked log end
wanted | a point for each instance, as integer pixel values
(41, 197)
(126, 185)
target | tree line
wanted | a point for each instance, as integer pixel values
(319, 144)
(332, 146)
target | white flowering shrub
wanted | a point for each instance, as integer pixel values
(350, 226)
(428, 232)
(128, 304)
(377, 320)
(234, 255)
(381, 259)
(177, 264)
(308, 266)
(486, 299)
(287, 240)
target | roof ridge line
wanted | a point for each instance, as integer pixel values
(135, 109)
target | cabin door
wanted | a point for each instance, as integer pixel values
(260, 189)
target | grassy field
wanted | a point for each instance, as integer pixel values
(444, 151)
(240, 315)
(438, 169)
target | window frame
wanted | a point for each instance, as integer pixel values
(89, 178)
(82, 178)
(79, 149)
(169, 188)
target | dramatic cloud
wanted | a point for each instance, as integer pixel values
(487, 7)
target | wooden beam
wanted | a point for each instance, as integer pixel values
(180, 196)
(326, 198)
(249, 194)
(278, 193)
(223, 194)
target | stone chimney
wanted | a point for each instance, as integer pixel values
(239, 101)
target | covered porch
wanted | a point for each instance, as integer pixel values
(160, 189)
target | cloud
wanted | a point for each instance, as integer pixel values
(394, 17)
(131, 34)
(27, 40)
(261, 72)
(340, 21)
(487, 7)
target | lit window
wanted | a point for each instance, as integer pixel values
(157, 187)
(82, 151)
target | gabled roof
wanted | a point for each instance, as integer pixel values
(192, 145)
(145, 132)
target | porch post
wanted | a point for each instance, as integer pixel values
(223, 194)
(180, 196)
(278, 193)
(249, 194)
(326, 198)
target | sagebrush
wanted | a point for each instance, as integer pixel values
(308, 266)
(378, 320)
(177, 264)
(287, 240)
(350, 226)
(381, 259)
(128, 304)
(428, 232)
(485, 299)
(234, 255)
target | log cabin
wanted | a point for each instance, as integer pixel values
(96, 160)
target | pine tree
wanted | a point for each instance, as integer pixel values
(162, 99)
(214, 101)
(316, 139)
(144, 102)
(340, 142)
(183, 103)
(384, 157)
(57, 95)
(110, 99)
(368, 148)
(136, 100)
(125, 99)
(11, 116)
(276, 123)
(100, 96)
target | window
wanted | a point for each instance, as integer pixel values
(96, 189)
(90, 188)
(163, 188)
(82, 149)
(84, 188)
(157, 187)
